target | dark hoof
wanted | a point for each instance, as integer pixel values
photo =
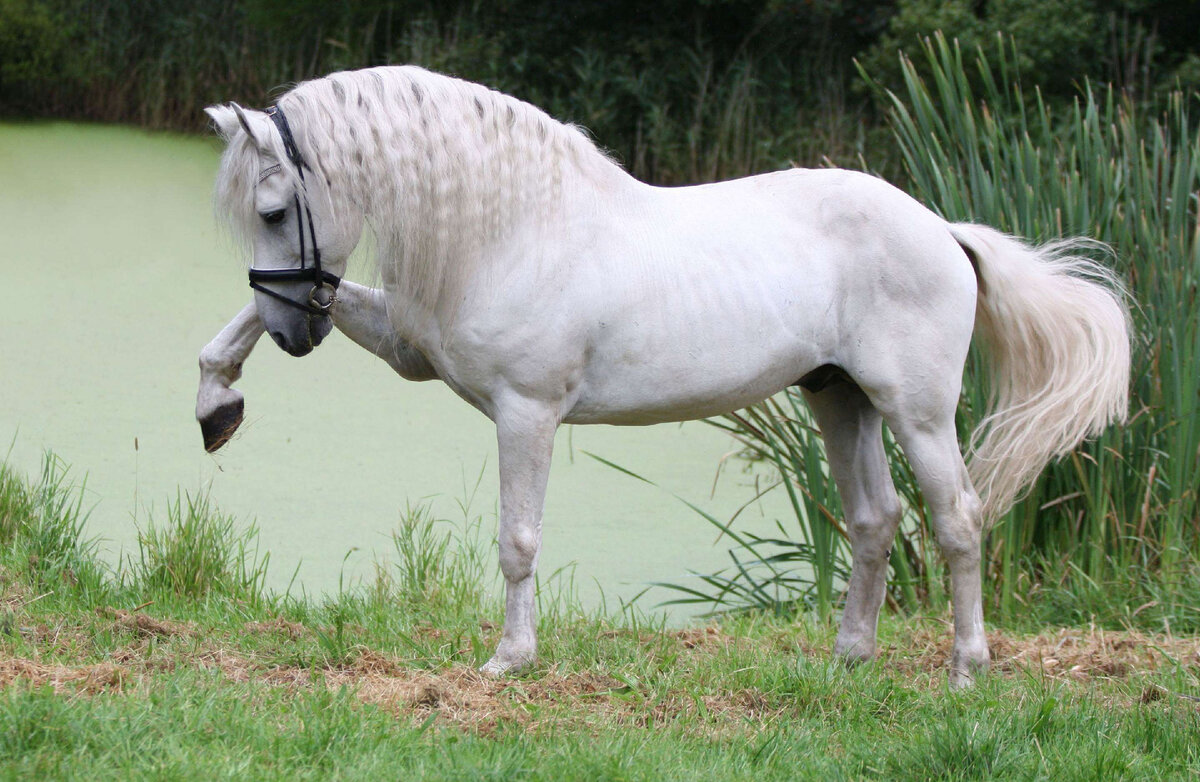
(220, 426)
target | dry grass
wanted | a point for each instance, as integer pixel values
(458, 695)
(1066, 653)
(81, 679)
(145, 625)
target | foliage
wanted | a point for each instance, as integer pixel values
(706, 90)
(33, 47)
(1109, 531)
(679, 91)
(1138, 45)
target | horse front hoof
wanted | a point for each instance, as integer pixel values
(505, 666)
(219, 425)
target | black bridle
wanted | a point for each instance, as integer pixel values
(315, 274)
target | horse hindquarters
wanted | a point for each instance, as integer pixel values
(1060, 366)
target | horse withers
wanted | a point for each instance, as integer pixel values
(544, 285)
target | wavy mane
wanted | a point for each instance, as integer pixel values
(441, 169)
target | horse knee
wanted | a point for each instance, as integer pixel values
(518, 552)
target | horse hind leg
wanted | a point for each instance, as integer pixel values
(852, 430)
(930, 443)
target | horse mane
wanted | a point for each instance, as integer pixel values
(441, 169)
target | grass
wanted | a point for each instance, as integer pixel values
(145, 679)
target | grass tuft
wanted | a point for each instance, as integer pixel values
(197, 552)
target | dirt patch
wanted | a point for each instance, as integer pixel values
(705, 638)
(461, 696)
(146, 625)
(279, 626)
(89, 679)
(1064, 653)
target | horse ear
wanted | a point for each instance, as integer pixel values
(241, 117)
(230, 117)
(225, 119)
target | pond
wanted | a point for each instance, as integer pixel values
(117, 276)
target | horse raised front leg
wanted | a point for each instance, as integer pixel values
(219, 408)
(525, 432)
(361, 314)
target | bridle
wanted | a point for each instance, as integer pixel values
(320, 278)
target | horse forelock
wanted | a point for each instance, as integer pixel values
(440, 168)
(242, 168)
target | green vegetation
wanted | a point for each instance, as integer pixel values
(133, 677)
(1126, 505)
(680, 91)
(1110, 533)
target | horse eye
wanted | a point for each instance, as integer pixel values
(275, 217)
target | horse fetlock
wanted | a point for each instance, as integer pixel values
(216, 364)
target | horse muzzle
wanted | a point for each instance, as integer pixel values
(299, 336)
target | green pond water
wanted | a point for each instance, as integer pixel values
(116, 276)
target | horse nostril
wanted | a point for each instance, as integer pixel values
(280, 339)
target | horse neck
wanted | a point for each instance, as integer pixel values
(444, 212)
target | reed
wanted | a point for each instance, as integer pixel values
(1119, 516)
(1123, 507)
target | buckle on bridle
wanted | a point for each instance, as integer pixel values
(316, 304)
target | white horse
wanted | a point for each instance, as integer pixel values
(543, 284)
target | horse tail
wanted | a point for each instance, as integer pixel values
(1056, 331)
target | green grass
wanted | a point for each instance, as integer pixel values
(189, 726)
(145, 679)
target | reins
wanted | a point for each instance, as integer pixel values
(315, 274)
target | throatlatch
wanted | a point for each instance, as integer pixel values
(314, 274)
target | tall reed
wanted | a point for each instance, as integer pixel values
(1121, 513)
(1126, 504)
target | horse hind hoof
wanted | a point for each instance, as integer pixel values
(220, 425)
(966, 667)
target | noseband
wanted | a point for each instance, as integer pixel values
(319, 278)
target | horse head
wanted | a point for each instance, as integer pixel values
(280, 204)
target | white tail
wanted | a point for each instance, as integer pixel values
(1057, 335)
